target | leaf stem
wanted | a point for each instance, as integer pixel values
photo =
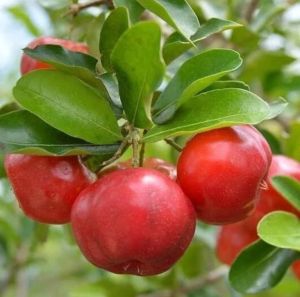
(175, 145)
(135, 140)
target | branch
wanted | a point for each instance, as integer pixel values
(74, 9)
(175, 145)
(250, 10)
(194, 284)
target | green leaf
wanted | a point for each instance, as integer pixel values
(79, 64)
(262, 62)
(139, 68)
(277, 107)
(134, 8)
(260, 267)
(292, 144)
(289, 188)
(272, 140)
(111, 84)
(225, 84)
(114, 26)
(20, 13)
(194, 75)
(68, 104)
(176, 44)
(23, 132)
(280, 229)
(211, 110)
(176, 13)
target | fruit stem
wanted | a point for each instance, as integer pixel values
(175, 145)
(135, 140)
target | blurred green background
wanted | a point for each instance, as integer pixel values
(36, 261)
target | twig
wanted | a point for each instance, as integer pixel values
(175, 145)
(250, 10)
(76, 8)
(192, 285)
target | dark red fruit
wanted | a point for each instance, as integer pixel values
(28, 64)
(133, 221)
(232, 239)
(151, 163)
(46, 187)
(222, 171)
(296, 269)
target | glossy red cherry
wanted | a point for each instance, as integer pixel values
(46, 187)
(133, 221)
(232, 239)
(151, 163)
(222, 170)
(28, 64)
(296, 269)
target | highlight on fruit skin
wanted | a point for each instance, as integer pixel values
(221, 171)
(29, 64)
(133, 221)
(46, 187)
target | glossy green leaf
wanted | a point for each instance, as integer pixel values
(260, 267)
(139, 67)
(225, 84)
(277, 107)
(111, 84)
(211, 110)
(193, 76)
(176, 44)
(114, 26)
(134, 8)
(68, 104)
(23, 132)
(280, 229)
(79, 64)
(289, 188)
(177, 13)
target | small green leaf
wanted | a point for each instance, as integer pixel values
(225, 84)
(79, 64)
(292, 143)
(68, 104)
(23, 132)
(260, 267)
(176, 44)
(277, 107)
(134, 8)
(272, 140)
(289, 188)
(111, 84)
(177, 13)
(139, 67)
(211, 110)
(114, 26)
(280, 229)
(194, 75)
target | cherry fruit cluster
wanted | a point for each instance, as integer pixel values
(141, 220)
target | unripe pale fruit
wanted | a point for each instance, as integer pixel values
(232, 239)
(29, 64)
(222, 171)
(46, 187)
(151, 163)
(133, 221)
(296, 269)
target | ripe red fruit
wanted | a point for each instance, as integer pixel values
(133, 221)
(296, 269)
(151, 163)
(221, 171)
(28, 64)
(46, 187)
(231, 240)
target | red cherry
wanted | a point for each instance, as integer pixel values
(231, 240)
(133, 221)
(296, 269)
(221, 171)
(28, 64)
(46, 187)
(151, 163)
